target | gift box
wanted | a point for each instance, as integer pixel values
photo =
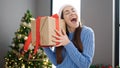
(45, 29)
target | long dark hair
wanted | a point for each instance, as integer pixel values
(76, 41)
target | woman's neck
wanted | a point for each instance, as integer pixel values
(71, 29)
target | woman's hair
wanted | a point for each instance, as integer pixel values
(76, 41)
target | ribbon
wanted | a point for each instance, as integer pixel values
(37, 34)
(57, 24)
(27, 42)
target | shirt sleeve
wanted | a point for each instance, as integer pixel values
(84, 59)
(51, 55)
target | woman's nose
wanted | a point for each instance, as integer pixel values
(72, 13)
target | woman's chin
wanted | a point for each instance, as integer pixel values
(75, 25)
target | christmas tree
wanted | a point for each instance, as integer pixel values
(16, 57)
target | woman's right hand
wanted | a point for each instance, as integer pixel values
(61, 38)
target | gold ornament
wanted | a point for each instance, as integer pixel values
(33, 57)
(45, 63)
(6, 63)
(29, 25)
(24, 27)
(9, 67)
(9, 55)
(15, 63)
(20, 58)
(21, 45)
(12, 60)
(31, 47)
(28, 66)
(38, 63)
(7, 59)
(31, 51)
(24, 24)
(13, 44)
(23, 66)
(19, 36)
(25, 33)
(46, 60)
(18, 40)
(25, 38)
(31, 63)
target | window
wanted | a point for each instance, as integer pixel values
(117, 33)
(56, 5)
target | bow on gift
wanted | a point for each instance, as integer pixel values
(37, 43)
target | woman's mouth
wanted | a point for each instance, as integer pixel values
(74, 20)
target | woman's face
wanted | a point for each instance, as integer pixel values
(70, 16)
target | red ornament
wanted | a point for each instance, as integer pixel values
(103, 67)
(109, 66)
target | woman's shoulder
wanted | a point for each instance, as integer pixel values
(87, 29)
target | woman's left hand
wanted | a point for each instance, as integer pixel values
(61, 38)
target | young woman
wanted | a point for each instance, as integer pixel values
(76, 45)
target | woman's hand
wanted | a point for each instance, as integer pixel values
(61, 38)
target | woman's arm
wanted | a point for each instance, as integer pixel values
(84, 59)
(51, 55)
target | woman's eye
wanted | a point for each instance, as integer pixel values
(67, 13)
(73, 10)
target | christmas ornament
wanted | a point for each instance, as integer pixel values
(25, 38)
(19, 36)
(23, 66)
(13, 44)
(21, 45)
(31, 47)
(109, 66)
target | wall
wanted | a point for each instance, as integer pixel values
(11, 12)
(43, 7)
(98, 15)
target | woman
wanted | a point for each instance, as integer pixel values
(76, 45)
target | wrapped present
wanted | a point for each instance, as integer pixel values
(43, 28)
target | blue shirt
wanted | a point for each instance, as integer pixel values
(72, 57)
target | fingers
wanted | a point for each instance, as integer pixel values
(60, 38)
(58, 42)
(63, 32)
(58, 45)
(56, 36)
(58, 32)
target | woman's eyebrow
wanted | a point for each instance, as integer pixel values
(66, 11)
